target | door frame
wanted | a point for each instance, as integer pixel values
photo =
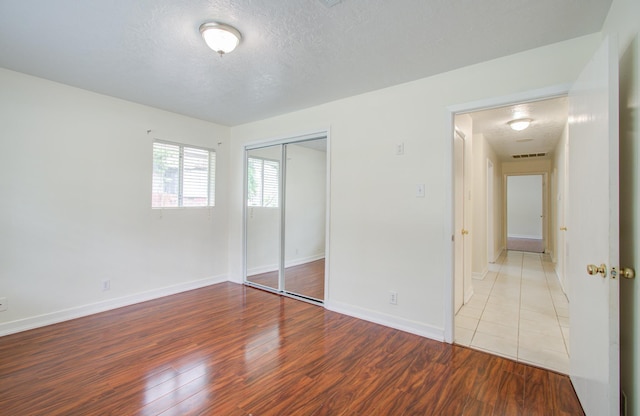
(491, 240)
(450, 113)
(545, 198)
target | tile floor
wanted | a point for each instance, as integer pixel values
(518, 311)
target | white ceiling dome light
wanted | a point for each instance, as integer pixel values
(520, 124)
(220, 37)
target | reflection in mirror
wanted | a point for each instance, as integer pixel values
(305, 216)
(263, 216)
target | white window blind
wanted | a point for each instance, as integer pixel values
(263, 183)
(182, 176)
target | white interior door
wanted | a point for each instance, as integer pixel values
(524, 206)
(458, 150)
(592, 234)
(490, 223)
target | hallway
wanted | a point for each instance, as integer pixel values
(518, 311)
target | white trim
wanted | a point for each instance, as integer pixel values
(262, 269)
(468, 298)
(387, 320)
(103, 306)
(286, 139)
(448, 231)
(481, 275)
(291, 263)
(304, 260)
(527, 236)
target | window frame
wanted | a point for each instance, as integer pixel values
(211, 174)
(262, 182)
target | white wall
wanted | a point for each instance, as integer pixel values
(263, 226)
(305, 208)
(75, 180)
(305, 202)
(623, 20)
(524, 206)
(383, 238)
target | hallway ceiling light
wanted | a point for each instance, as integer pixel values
(220, 37)
(520, 124)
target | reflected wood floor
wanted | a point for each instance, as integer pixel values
(233, 350)
(305, 279)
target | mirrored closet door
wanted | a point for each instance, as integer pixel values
(285, 217)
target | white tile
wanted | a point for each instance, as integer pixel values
(562, 311)
(565, 335)
(496, 345)
(504, 308)
(463, 336)
(534, 340)
(466, 322)
(501, 318)
(548, 359)
(496, 329)
(538, 316)
(542, 328)
(470, 312)
(476, 302)
(543, 308)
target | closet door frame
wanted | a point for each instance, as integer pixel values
(281, 290)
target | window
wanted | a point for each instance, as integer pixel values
(263, 183)
(182, 176)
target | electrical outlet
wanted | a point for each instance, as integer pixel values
(399, 149)
(3, 304)
(106, 285)
(393, 298)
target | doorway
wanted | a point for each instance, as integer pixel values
(525, 213)
(286, 217)
(518, 309)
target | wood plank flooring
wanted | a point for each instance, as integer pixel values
(233, 350)
(305, 279)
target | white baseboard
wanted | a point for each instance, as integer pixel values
(390, 321)
(527, 236)
(555, 269)
(25, 324)
(303, 260)
(481, 275)
(468, 297)
(274, 267)
(262, 269)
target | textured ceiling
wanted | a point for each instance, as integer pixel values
(549, 119)
(294, 54)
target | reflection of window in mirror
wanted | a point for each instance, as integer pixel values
(262, 182)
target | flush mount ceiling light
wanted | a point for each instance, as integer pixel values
(520, 124)
(220, 37)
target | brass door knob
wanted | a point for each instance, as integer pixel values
(593, 270)
(464, 232)
(627, 273)
(563, 228)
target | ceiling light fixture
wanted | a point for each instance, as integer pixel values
(220, 37)
(520, 124)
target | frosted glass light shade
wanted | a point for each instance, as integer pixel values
(219, 37)
(520, 124)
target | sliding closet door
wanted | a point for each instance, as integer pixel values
(263, 216)
(305, 218)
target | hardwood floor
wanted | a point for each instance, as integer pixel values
(233, 350)
(305, 279)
